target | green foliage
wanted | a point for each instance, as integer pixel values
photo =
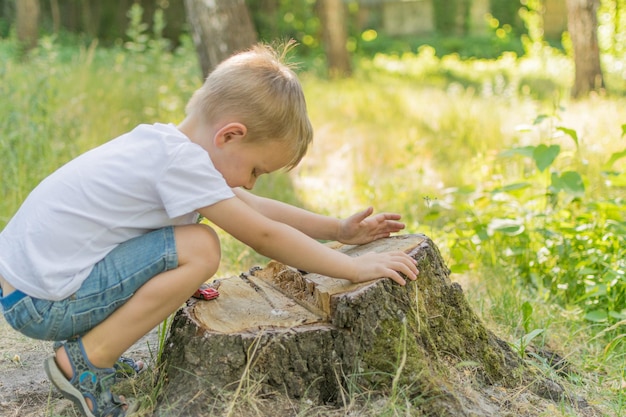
(529, 335)
(290, 19)
(61, 100)
(448, 15)
(552, 236)
(528, 202)
(507, 13)
(485, 47)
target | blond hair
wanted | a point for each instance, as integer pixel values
(259, 89)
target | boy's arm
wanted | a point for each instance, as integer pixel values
(284, 243)
(359, 228)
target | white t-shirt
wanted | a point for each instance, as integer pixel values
(147, 179)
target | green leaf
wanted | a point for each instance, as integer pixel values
(572, 183)
(530, 336)
(615, 157)
(623, 130)
(586, 271)
(540, 119)
(569, 132)
(544, 155)
(596, 316)
(509, 227)
(618, 315)
(482, 232)
(511, 187)
(524, 151)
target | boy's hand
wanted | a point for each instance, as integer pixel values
(360, 228)
(387, 264)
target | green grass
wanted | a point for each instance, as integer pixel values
(460, 148)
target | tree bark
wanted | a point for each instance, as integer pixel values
(55, 13)
(27, 25)
(310, 336)
(334, 34)
(219, 29)
(583, 29)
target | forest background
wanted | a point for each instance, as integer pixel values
(475, 136)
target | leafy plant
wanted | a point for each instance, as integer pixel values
(568, 248)
(529, 335)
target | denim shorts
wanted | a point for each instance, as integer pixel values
(110, 284)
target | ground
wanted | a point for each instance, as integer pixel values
(24, 387)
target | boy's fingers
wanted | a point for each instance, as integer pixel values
(397, 278)
(391, 216)
(409, 266)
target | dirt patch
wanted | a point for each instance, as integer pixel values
(24, 387)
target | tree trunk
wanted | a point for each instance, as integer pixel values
(309, 336)
(583, 29)
(90, 16)
(55, 13)
(219, 29)
(266, 17)
(27, 25)
(334, 34)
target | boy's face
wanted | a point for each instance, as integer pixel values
(241, 163)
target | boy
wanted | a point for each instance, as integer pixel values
(108, 246)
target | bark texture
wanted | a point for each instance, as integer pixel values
(334, 33)
(219, 29)
(310, 336)
(583, 28)
(27, 25)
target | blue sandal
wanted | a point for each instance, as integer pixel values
(125, 367)
(87, 382)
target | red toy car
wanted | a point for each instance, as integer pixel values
(206, 293)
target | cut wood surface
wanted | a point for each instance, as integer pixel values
(309, 336)
(250, 305)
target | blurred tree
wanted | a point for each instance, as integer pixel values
(219, 28)
(27, 24)
(55, 13)
(583, 29)
(334, 35)
(266, 17)
(281, 20)
(507, 13)
(451, 17)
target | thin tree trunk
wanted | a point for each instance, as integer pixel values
(91, 17)
(219, 29)
(56, 15)
(332, 15)
(27, 25)
(583, 29)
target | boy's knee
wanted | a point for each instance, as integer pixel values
(198, 244)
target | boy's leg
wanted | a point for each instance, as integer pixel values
(198, 252)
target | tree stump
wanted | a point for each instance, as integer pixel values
(310, 336)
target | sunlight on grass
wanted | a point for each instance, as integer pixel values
(56, 107)
(462, 149)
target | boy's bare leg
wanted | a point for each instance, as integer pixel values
(198, 259)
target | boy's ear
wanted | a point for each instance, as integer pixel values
(229, 132)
